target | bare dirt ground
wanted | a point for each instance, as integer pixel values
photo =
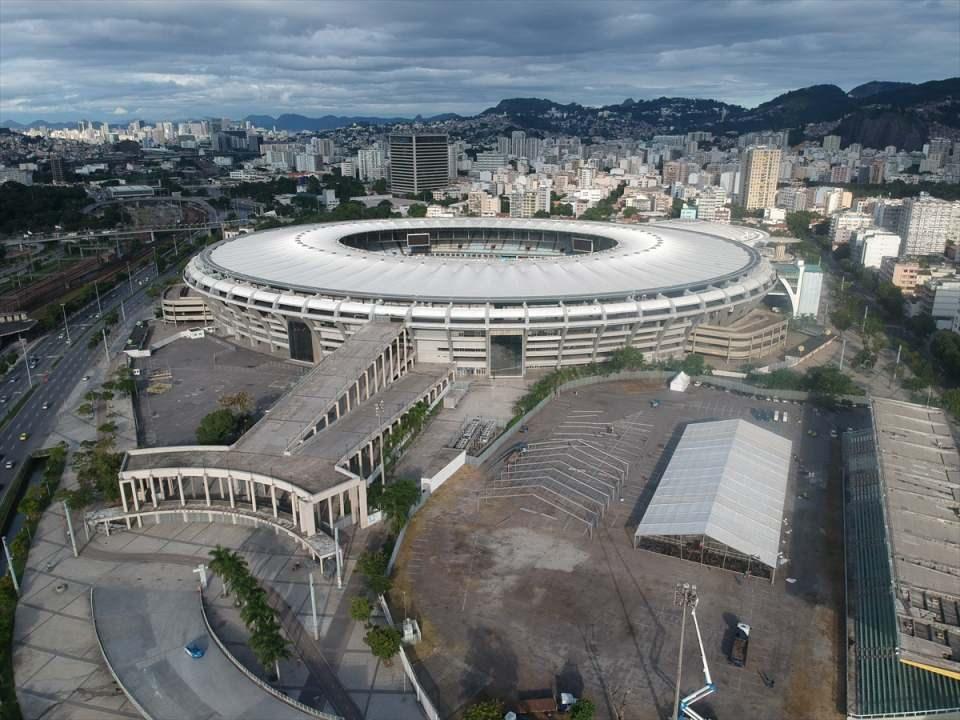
(513, 596)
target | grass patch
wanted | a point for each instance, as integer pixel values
(11, 413)
(34, 502)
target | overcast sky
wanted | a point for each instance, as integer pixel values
(157, 59)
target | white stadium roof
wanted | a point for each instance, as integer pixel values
(646, 260)
(726, 480)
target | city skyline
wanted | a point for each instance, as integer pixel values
(64, 61)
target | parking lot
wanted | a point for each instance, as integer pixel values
(200, 373)
(514, 593)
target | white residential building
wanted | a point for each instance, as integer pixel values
(874, 245)
(927, 224)
(843, 224)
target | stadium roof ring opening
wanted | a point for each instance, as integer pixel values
(492, 295)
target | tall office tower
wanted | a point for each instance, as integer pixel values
(759, 171)
(418, 163)
(926, 224)
(503, 145)
(831, 143)
(517, 139)
(56, 169)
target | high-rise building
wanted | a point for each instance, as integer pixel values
(886, 214)
(709, 202)
(517, 140)
(56, 169)
(759, 172)
(844, 224)
(418, 163)
(370, 162)
(831, 143)
(926, 224)
(875, 245)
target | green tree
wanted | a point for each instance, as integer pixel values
(384, 642)
(380, 186)
(396, 500)
(221, 427)
(361, 609)
(542, 214)
(417, 211)
(484, 710)
(676, 207)
(269, 646)
(951, 401)
(828, 380)
(945, 348)
(223, 562)
(582, 710)
(373, 566)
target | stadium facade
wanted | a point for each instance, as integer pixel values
(492, 296)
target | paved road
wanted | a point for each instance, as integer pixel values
(144, 633)
(323, 681)
(61, 367)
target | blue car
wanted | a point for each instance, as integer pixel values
(193, 650)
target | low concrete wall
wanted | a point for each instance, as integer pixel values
(430, 484)
(425, 703)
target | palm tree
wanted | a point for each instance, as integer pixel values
(269, 646)
(256, 612)
(221, 563)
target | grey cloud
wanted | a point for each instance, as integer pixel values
(182, 58)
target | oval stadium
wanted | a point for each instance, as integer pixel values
(493, 296)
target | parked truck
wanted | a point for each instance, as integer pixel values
(741, 641)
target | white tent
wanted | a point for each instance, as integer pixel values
(681, 382)
(727, 480)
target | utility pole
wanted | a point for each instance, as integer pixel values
(66, 325)
(130, 277)
(683, 596)
(96, 289)
(843, 349)
(123, 313)
(863, 325)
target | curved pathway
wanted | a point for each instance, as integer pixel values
(143, 633)
(322, 681)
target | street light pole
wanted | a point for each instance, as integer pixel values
(26, 362)
(96, 289)
(843, 349)
(684, 594)
(383, 468)
(130, 277)
(106, 347)
(66, 325)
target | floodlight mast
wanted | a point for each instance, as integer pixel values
(685, 710)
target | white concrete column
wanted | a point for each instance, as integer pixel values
(183, 500)
(330, 512)
(376, 376)
(362, 504)
(340, 499)
(308, 522)
(153, 491)
(223, 493)
(123, 495)
(252, 489)
(206, 488)
(348, 398)
(293, 509)
(273, 500)
(233, 502)
(366, 384)
(136, 497)
(354, 504)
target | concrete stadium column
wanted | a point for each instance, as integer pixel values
(123, 495)
(293, 508)
(366, 384)
(354, 496)
(233, 502)
(347, 396)
(183, 500)
(252, 491)
(373, 463)
(340, 500)
(273, 500)
(330, 512)
(136, 497)
(308, 522)
(206, 488)
(153, 491)
(362, 503)
(223, 493)
(376, 377)
(388, 359)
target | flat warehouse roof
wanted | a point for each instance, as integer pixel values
(726, 480)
